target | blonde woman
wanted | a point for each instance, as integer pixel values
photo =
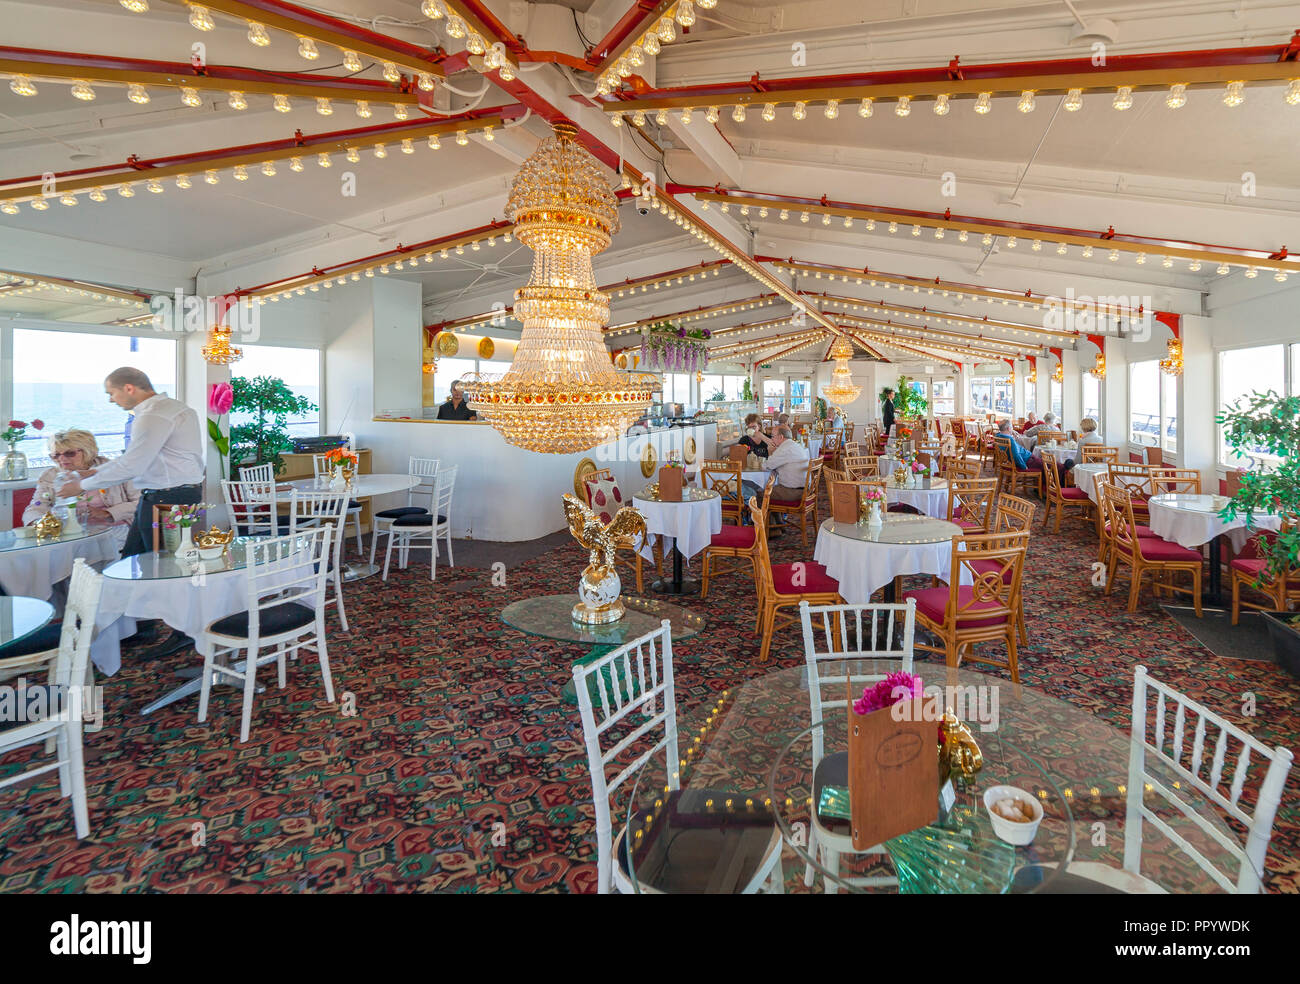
(76, 451)
(1087, 435)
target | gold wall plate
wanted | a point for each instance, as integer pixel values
(689, 451)
(585, 467)
(448, 344)
(485, 348)
(648, 460)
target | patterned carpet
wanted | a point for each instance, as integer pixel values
(460, 727)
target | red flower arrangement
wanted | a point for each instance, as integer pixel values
(17, 430)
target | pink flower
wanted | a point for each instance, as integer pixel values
(894, 688)
(220, 398)
(38, 424)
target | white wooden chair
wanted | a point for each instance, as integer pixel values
(319, 468)
(59, 704)
(638, 703)
(285, 613)
(324, 508)
(422, 530)
(424, 470)
(252, 508)
(842, 631)
(258, 473)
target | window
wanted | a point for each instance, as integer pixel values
(1092, 397)
(300, 370)
(677, 388)
(981, 395)
(711, 387)
(801, 396)
(1054, 388)
(67, 390)
(945, 396)
(1253, 370)
(447, 372)
(1031, 397)
(1153, 406)
(734, 387)
(774, 396)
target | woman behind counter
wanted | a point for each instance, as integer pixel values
(76, 451)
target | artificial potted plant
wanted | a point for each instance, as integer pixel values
(269, 402)
(1267, 424)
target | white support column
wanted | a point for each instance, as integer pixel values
(1196, 428)
(1114, 389)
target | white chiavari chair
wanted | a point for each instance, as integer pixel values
(286, 579)
(258, 473)
(55, 711)
(424, 471)
(329, 509)
(253, 508)
(626, 697)
(421, 531)
(838, 642)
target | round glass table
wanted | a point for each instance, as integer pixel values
(20, 617)
(31, 566)
(551, 617)
(745, 763)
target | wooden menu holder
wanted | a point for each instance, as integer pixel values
(670, 484)
(893, 774)
(844, 502)
(738, 452)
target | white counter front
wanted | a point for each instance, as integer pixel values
(507, 493)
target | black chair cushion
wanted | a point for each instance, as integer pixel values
(36, 704)
(274, 620)
(832, 770)
(44, 638)
(425, 520)
(400, 511)
(354, 504)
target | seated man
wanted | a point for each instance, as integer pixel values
(1030, 421)
(1048, 424)
(1019, 453)
(456, 408)
(789, 459)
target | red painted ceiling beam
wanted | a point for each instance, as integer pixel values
(635, 19)
(1103, 239)
(385, 130)
(1024, 72)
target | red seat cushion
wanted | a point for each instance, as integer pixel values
(933, 602)
(738, 537)
(1154, 548)
(1074, 493)
(1142, 531)
(967, 524)
(1250, 565)
(991, 567)
(812, 576)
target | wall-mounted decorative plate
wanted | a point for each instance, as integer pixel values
(585, 467)
(689, 451)
(485, 348)
(448, 344)
(648, 460)
(621, 361)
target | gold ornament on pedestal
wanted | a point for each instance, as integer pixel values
(600, 586)
(562, 393)
(842, 390)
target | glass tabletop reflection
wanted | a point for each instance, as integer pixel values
(745, 767)
(21, 616)
(11, 540)
(897, 529)
(162, 564)
(551, 617)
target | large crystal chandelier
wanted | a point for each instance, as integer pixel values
(842, 390)
(562, 393)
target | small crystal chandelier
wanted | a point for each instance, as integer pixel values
(218, 351)
(1058, 374)
(842, 390)
(562, 393)
(1173, 365)
(1099, 369)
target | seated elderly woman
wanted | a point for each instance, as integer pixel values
(1087, 435)
(76, 450)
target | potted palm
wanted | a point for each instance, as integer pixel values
(266, 403)
(1267, 425)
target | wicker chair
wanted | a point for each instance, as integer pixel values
(1145, 553)
(1011, 478)
(1249, 570)
(738, 543)
(807, 505)
(782, 586)
(970, 503)
(1061, 497)
(723, 477)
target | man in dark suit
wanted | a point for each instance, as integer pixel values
(456, 408)
(887, 410)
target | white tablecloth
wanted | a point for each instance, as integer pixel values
(759, 478)
(814, 446)
(1085, 477)
(690, 525)
(932, 502)
(888, 465)
(863, 567)
(1059, 454)
(33, 571)
(1189, 527)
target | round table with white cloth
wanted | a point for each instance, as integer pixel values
(33, 567)
(689, 525)
(887, 465)
(1192, 520)
(865, 560)
(1061, 453)
(932, 501)
(1086, 476)
(759, 478)
(362, 487)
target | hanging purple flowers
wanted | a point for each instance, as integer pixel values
(672, 348)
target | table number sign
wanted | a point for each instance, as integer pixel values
(670, 484)
(844, 502)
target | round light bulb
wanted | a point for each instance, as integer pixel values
(81, 89)
(21, 85)
(391, 74)
(363, 109)
(904, 106)
(941, 107)
(1026, 103)
(351, 61)
(137, 93)
(1177, 97)
(800, 111)
(237, 101)
(1235, 94)
(832, 110)
(323, 106)
(282, 104)
(1123, 98)
(1073, 101)
(241, 173)
(983, 103)
(323, 160)
(200, 19)
(190, 97)
(257, 34)
(307, 49)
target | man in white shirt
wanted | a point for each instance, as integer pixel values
(789, 459)
(164, 461)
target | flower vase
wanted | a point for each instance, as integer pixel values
(71, 523)
(13, 466)
(874, 519)
(186, 552)
(337, 482)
